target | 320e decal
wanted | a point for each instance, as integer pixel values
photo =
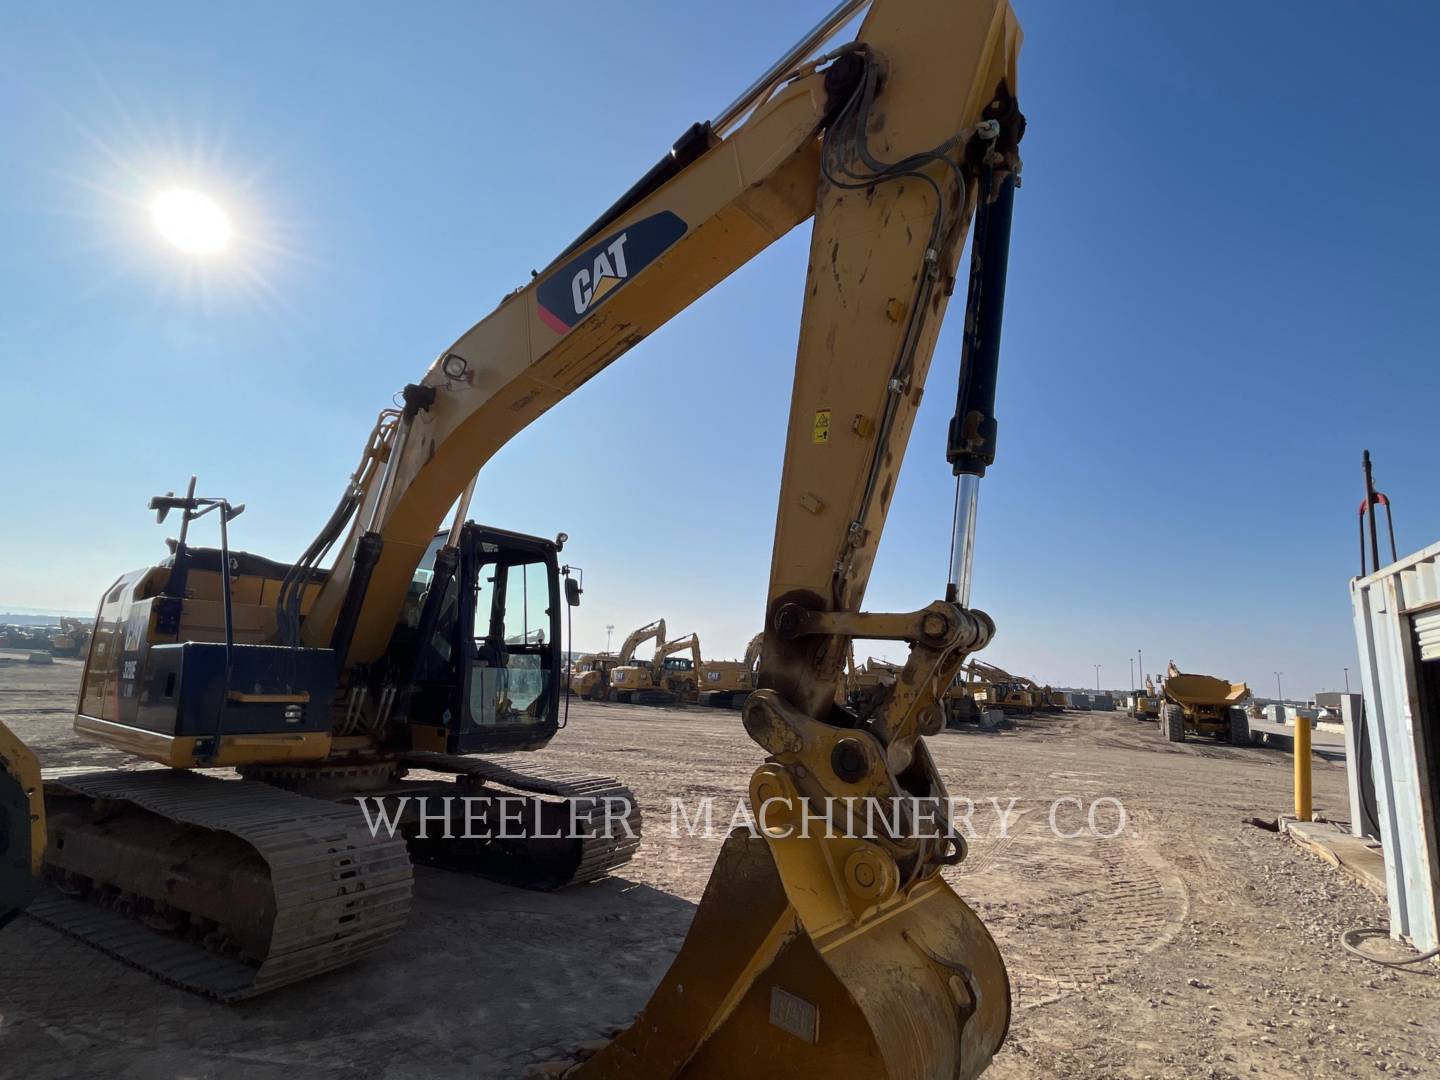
(569, 294)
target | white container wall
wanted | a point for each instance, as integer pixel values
(1397, 632)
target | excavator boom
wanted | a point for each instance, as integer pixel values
(650, 631)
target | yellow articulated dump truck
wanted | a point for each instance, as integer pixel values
(1203, 705)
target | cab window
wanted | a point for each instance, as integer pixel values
(510, 682)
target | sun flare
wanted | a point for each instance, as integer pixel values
(191, 221)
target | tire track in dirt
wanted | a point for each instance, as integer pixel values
(1076, 911)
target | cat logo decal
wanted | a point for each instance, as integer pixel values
(583, 282)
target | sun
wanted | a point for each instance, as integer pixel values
(191, 221)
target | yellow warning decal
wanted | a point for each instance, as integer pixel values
(821, 431)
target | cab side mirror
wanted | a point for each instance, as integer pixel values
(572, 592)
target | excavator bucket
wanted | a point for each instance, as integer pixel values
(919, 991)
(22, 825)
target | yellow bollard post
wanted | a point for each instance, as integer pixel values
(1302, 768)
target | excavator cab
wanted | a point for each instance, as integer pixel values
(488, 674)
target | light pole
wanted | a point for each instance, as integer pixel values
(1132, 675)
(1141, 654)
(1097, 678)
(1347, 680)
(1279, 696)
(609, 629)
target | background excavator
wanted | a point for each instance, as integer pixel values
(865, 681)
(1042, 697)
(71, 638)
(993, 687)
(979, 687)
(959, 702)
(590, 674)
(831, 951)
(726, 684)
(668, 678)
(1146, 703)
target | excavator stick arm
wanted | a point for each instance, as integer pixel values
(871, 965)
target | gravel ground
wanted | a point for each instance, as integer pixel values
(1188, 944)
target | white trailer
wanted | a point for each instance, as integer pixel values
(1397, 633)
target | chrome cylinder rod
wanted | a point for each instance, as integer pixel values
(962, 538)
(797, 53)
(387, 478)
(461, 509)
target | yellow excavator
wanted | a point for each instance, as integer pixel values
(71, 638)
(590, 674)
(993, 687)
(1043, 697)
(864, 681)
(668, 678)
(1039, 696)
(726, 684)
(959, 701)
(815, 951)
(1146, 702)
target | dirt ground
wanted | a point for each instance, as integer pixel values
(1188, 945)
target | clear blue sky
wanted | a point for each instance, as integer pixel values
(1223, 287)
